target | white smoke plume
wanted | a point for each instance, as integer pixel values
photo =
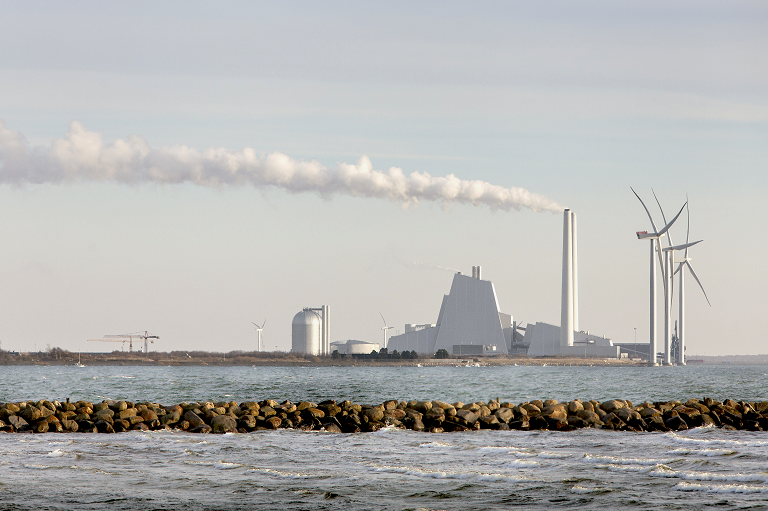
(83, 156)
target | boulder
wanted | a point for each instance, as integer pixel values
(331, 427)
(127, 413)
(170, 418)
(203, 428)
(18, 423)
(40, 426)
(104, 427)
(612, 405)
(313, 413)
(224, 424)
(675, 423)
(31, 414)
(537, 422)
(375, 413)
(193, 419)
(575, 406)
(273, 422)
(627, 414)
(247, 421)
(504, 415)
(468, 416)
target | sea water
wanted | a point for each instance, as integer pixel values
(388, 469)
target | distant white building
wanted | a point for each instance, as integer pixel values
(469, 322)
(354, 347)
(544, 340)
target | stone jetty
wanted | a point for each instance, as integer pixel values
(347, 417)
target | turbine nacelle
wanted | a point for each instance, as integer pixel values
(645, 235)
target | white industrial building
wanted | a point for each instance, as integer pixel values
(469, 322)
(354, 347)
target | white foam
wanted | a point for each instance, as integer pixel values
(445, 474)
(225, 465)
(664, 471)
(620, 460)
(57, 453)
(715, 441)
(582, 490)
(720, 488)
(285, 474)
(707, 451)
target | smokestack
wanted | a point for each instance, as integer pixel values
(575, 274)
(478, 272)
(327, 329)
(474, 272)
(566, 306)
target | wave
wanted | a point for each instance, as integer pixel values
(445, 474)
(707, 451)
(619, 460)
(585, 491)
(720, 488)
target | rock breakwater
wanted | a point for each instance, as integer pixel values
(346, 417)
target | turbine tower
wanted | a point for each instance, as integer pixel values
(259, 345)
(656, 247)
(385, 328)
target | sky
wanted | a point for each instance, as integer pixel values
(188, 168)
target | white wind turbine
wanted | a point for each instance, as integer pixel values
(260, 345)
(685, 261)
(385, 328)
(656, 247)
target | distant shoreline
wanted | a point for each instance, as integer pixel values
(57, 357)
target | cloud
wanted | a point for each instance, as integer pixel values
(83, 156)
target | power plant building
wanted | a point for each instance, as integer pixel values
(354, 347)
(469, 322)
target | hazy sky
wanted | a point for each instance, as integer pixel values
(189, 167)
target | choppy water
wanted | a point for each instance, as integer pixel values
(390, 469)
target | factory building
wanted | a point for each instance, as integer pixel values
(469, 322)
(311, 331)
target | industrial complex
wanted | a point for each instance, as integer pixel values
(470, 322)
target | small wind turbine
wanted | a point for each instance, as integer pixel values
(259, 346)
(385, 328)
(656, 248)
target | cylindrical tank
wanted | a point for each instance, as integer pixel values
(305, 330)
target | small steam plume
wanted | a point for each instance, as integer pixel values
(428, 266)
(83, 156)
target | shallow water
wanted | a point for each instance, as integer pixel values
(389, 469)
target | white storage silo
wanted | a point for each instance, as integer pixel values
(306, 333)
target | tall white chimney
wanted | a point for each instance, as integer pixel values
(478, 272)
(566, 305)
(575, 274)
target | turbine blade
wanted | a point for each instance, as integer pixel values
(666, 227)
(679, 267)
(382, 318)
(265, 322)
(663, 218)
(685, 246)
(698, 282)
(646, 209)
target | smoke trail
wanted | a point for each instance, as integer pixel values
(83, 156)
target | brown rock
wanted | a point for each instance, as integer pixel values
(224, 424)
(194, 420)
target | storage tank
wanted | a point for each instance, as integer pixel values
(305, 330)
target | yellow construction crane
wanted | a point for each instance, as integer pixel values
(123, 338)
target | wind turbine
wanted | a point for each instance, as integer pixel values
(385, 328)
(681, 308)
(259, 346)
(656, 247)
